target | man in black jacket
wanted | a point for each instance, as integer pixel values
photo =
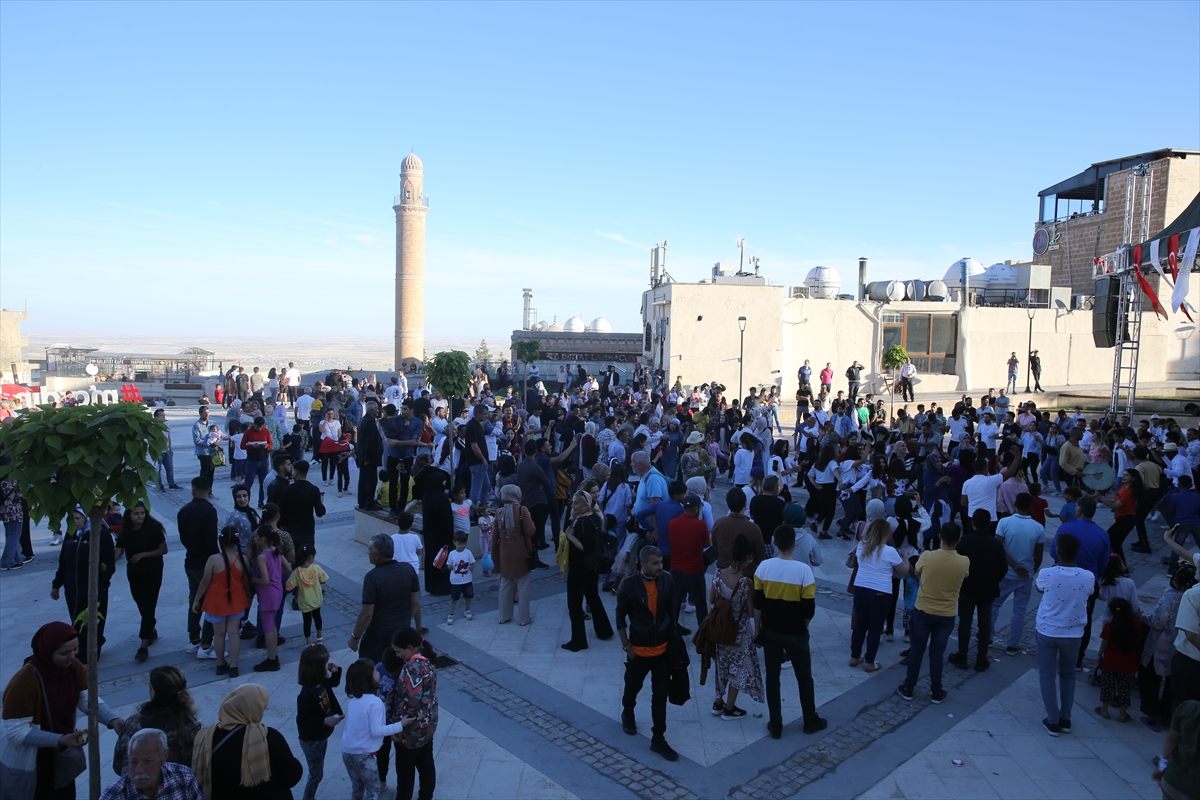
(646, 605)
(369, 456)
(197, 523)
(297, 505)
(979, 591)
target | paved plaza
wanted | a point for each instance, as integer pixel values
(520, 717)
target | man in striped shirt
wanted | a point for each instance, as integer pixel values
(785, 593)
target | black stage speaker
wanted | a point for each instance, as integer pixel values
(1104, 312)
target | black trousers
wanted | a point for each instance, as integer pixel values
(196, 632)
(540, 514)
(1185, 679)
(1119, 530)
(413, 763)
(368, 479)
(691, 585)
(659, 670)
(780, 647)
(1145, 508)
(1087, 628)
(971, 606)
(581, 585)
(398, 480)
(145, 581)
(207, 470)
(853, 393)
(1155, 692)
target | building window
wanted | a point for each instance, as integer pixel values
(930, 339)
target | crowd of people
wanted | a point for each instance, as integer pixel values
(946, 516)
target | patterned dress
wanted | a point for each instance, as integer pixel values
(737, 664)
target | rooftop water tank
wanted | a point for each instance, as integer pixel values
(601, 325)
(885, 291)
(823, 282)
(975, 274)
(914, 290)
(937, 291)
(1001, 276)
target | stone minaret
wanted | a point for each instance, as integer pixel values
(411, 206)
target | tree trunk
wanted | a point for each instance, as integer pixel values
(93, 653)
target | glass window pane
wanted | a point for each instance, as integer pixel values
(891, 335)
(921, 363)
(917, 333)
(948, 366)
(945, 335)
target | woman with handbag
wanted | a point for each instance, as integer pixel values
(41, 753)
(512, 548)
(737, 667)
(584, 535)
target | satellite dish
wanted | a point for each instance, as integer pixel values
(1098, 476)
(92, 369)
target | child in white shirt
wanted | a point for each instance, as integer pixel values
(407, 545)
(461, 563)
(365, 728)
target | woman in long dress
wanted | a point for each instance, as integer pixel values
(737, 667)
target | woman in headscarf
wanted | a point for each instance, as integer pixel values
(437, 526)
(240, 758)
(37, 729)
(170, 709)
(72, 574)
(512, 544)
(143, 540)
(245, 519)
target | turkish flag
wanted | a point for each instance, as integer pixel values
(1149, 292)
(1173, 256)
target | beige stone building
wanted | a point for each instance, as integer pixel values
(411, 207)
(13, 366)
(1083, 216)
(692, 330)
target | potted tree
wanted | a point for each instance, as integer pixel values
(450, 372)
(87, 455)
(894, 358)
(527, 351)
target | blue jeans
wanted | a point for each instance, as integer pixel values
(256, 469)
(1049, 472)
(773, 418)
(12, 544)
(1020, 589)
(934, 631)
(481, 484)
(166, 464)
(1056, 658)
(1011, 385)
(851, 512)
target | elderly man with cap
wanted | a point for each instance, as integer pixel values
(150, 775)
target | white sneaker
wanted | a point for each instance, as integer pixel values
(56, 541)
(450, 620)
(1156, 516)
(468, 614)
(202, 653)
(689, 608)
(191, 648)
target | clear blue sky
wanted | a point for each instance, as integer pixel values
(189, 168)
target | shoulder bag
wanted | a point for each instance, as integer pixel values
(69, 763)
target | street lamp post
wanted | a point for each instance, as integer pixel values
(1029, 311)
(741, 353)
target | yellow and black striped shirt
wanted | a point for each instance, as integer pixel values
(785, 591)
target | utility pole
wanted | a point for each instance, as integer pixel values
(741, 354)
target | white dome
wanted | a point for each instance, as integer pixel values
(574, 325)
(823, 281)
(541, 325)
(600, 325)
(555, 328)
(1001, 274)
(975, 273)
(411, 164)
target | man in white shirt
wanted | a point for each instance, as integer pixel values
(392, 395)
(294, 377)
(988, 431)
(957, 424)
(402, 382)
(980, 491)
(303, 407)
(907, 373)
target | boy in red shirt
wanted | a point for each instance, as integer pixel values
(690, 534)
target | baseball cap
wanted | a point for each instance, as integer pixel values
(692, 501)
(1154, 416)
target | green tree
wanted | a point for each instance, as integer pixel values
(894, 358)
(482, 353)
(527, 351)
(87, 455)
(450, 372)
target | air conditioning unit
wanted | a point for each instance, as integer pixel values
(1082, 302)
(799, 291)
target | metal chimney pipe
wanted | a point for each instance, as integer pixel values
(862, 279)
